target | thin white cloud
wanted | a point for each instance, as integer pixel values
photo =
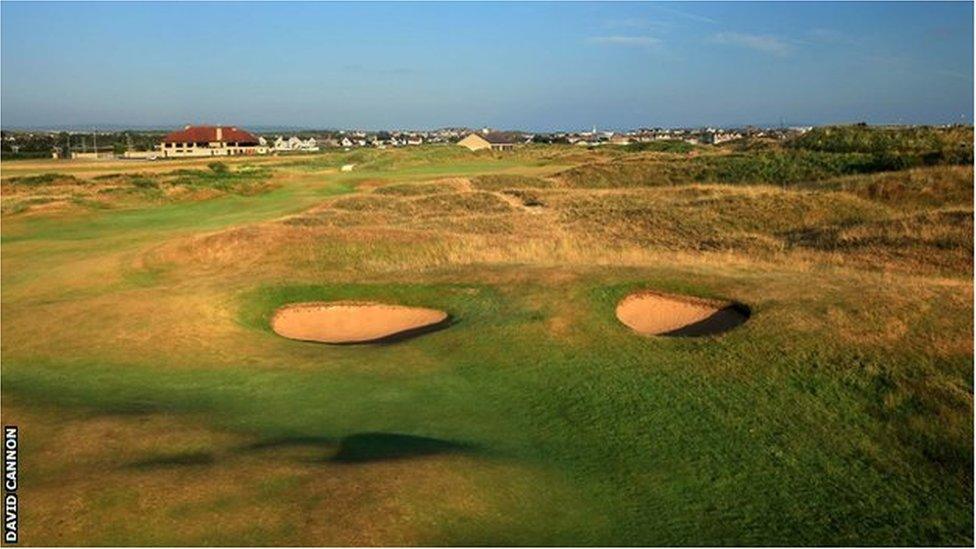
(637, 41)
(758, 42)
(636, 23)
(955, 74)
(687, 15)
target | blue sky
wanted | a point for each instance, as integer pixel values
(534, 66)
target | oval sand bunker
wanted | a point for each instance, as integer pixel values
(353, 321)
(651, 313)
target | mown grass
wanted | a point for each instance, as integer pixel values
(137, 357)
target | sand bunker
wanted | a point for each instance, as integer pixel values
(354, 321)
(651, 313)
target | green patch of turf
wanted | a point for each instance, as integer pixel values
(667, 441)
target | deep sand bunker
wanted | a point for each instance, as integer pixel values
(354, 321)
(652, 313)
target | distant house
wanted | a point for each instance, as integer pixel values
(714, 137)
(310, 145)
(295, 143)
(197, 141)
(619, 139)
(496, 141)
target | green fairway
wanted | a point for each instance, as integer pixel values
(156, 405)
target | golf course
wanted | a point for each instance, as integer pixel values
(756, 343)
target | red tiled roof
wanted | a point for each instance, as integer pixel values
(201, 134)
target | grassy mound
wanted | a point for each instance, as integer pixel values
(661, 145)
(785, 168)
(57, 192)
(416, 189)
(922, 144)
(498, 182)
(45, 179)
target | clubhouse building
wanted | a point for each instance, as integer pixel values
(201, 141)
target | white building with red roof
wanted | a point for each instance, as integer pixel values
(201, 141)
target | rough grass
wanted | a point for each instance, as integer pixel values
(44, 179)
(931, 145)
(128, 190)
(137, 357)
(500, 182)
(932, 187)
(415, 189)
(785, 168)
(243, 180)
(941, 238)
(888, 220)
(662, 145)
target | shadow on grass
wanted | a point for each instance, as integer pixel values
(368, 447)
(353, 449)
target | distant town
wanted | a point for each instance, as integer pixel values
(202, 141)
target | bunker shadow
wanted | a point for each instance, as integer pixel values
(406, 334)
(720, 322)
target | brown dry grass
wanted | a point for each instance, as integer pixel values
(581, 226)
